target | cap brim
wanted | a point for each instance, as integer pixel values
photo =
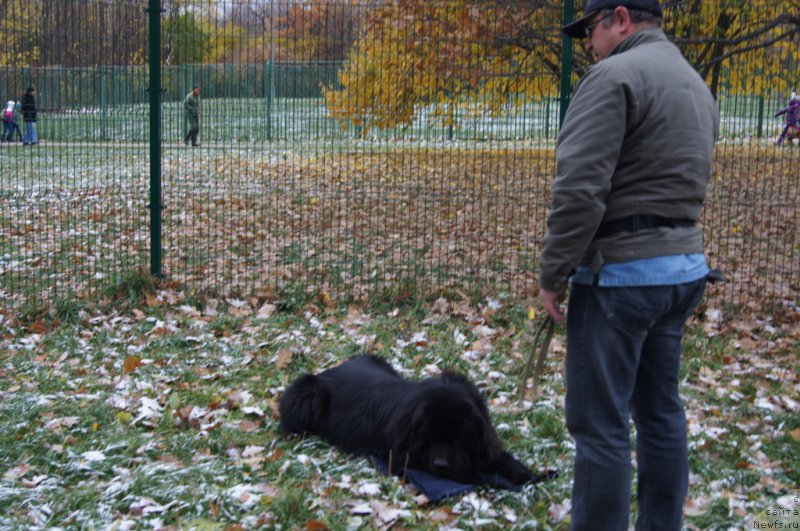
(576, 29)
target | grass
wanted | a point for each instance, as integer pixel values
(248, 120)
(76, 219)
(80, 447)
(252, 119)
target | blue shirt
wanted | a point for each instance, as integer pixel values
(657, 271)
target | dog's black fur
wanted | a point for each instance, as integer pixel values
(440, 425)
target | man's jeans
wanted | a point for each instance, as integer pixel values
(623, 358)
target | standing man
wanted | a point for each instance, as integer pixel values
(29, 115)
(191, 107)
(634, 157)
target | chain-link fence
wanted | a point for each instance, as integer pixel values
(349, 146)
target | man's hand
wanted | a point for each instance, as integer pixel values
(551, 300)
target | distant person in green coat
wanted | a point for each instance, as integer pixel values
(191, 107)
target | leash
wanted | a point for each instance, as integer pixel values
(547, 327)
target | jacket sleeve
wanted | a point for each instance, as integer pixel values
(587, 152)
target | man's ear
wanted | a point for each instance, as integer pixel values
(623, 17)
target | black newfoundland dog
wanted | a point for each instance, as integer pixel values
(440, 425)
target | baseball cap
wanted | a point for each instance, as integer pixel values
(576, 29)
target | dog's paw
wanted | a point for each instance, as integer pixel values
(514, 471)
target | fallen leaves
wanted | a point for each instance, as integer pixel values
(93, 456)
(149, 413)
(284, 358)
(122, 405)
(16, 472)
(57, 423)
(266, 311)
(382, 513)
(351, 221)
(131, 363)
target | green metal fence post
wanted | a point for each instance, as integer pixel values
(547, 102)
(268, 86)
(155, 11)
(566, 62)
(271, 87)
(760, 131)
(184, 92)
(60, 88)
(61, 103)
(103, 104)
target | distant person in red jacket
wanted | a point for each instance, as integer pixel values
(8, 122)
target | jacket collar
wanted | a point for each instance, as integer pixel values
(640, 37)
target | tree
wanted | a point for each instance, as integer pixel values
(302, 30)
(484, 54)
(22, 36)
(446, 56)
(728, 41)
(257, 20)
(319, 30)
(186, 41)
(70, 34)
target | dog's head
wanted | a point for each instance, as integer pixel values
(446, 431)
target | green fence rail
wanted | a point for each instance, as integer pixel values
(432, 167)
(111, 104)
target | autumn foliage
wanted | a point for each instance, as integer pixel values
(482, 56)
(446, 56)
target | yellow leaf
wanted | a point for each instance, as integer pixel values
(531, 313)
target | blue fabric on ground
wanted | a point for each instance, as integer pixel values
(436, 489)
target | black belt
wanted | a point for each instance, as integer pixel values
(638, 222)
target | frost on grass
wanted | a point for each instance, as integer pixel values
(166, 415)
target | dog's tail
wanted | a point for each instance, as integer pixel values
(304, 406)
